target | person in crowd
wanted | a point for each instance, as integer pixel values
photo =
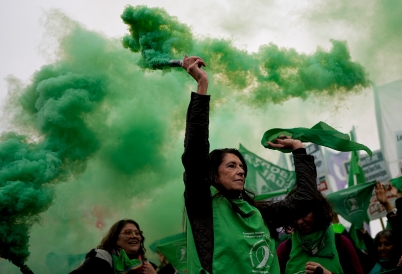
(394, 218)
(315, 244)
(228, 232)
(394, 215)
(387, 253)
(365, 242)
(120, 251)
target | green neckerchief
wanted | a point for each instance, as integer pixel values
(317, 247)
(320, 134)
(122, 264)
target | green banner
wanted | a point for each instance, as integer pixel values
(175, 250)
(352, 203)
(320, 134)
(264, 177)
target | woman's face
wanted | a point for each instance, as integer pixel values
(305, 224)
(129, 239)
(384, 248)
(231, 173)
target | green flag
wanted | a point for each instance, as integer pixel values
(358, 242)
(355, 169)
(264, 177)
(397, 182)
(352, 203)
(320, 134)
(175, 250)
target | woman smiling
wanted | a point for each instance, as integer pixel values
(120, 251)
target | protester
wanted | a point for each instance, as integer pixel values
(122, 249)
(315, 244)
(393, 214)
(387, 253)
(228, 232)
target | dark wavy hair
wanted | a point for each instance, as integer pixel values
(216, 157)
(109, 242)
(322, 212)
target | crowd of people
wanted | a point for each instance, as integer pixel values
(229, 232)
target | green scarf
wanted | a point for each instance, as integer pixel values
(320, 134)
(122, 264)
(316, 247)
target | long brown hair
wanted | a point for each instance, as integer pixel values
(109, 242)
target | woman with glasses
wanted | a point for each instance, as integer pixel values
(120, 251)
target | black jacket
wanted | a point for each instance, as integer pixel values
(197, 195)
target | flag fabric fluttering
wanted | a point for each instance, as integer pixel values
(352, 203)
(174, 248)
(264, 177)
(320, 134)
(355, 170)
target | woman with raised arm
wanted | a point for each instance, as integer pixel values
(228, 232)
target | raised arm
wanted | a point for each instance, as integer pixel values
(196, 145)
(303, 200)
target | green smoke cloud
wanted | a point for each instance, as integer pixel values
(270, 75)
(376, 29)
(99, 138)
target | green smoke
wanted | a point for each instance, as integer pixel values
(272, 74)
(56, 103)
(376, 25)
(156, 34)
(102, 137)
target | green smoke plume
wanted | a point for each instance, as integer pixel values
(270, 75)
(99, 138)
(56, 103)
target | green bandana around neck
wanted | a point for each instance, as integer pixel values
(122, 264)
(317, 247)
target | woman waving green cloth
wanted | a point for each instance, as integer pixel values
(320, 134)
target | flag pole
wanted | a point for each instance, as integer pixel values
(382, 224)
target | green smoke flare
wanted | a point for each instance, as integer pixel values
(270, 75)
(114, 132)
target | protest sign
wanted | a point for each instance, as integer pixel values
(264, 177)
(375, 168)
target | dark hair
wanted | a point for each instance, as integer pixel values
(216, 157)
(388, 234)
(322, 212)
(391, 236)
(109, 242)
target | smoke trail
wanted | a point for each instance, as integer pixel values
(114, 131)
(56, 104)
(155, 34)
(377, 32)
(92, 103)
(270, 75)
